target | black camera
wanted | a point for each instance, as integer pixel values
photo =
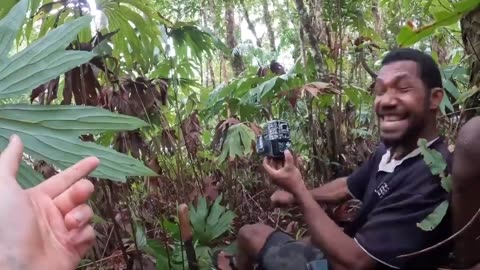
(274, 140)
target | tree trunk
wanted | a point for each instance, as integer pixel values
(312, 37)
(268, 23)
(250, 24)
(471, 40)
(314, 33)
(237, 62)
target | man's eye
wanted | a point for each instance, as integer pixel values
(379, 91)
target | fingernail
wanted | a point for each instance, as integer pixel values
(79, 217)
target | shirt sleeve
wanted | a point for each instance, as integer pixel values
(391, 229)
(357, 182)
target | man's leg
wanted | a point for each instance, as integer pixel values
(250, 240)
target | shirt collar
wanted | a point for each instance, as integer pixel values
(389, 166)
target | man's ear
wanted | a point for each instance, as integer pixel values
(436, 97)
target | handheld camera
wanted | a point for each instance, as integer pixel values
(274, 140)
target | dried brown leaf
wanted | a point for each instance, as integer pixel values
(46, 170)
(191, 133)
(168, 139)
(319, 88)
(133, 143)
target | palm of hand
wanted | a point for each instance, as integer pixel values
(48, 223)
(287, 177)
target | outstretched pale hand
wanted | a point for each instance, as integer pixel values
(45, 227)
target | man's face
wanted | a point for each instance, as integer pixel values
(401, 102)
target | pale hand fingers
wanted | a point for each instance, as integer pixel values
(11, 157)
(75, 195)
(57, 184)
(78, 217)
(82, 239)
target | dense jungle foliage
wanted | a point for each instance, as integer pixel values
(170, 95)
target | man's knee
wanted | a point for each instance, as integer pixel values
(252, 237)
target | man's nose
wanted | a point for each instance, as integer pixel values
(388, 99)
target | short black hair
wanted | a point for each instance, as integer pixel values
(428, 68)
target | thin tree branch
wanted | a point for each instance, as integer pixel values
(444, 241)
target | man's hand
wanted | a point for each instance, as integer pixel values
(287, 177)
(282, 198)
(45, 227)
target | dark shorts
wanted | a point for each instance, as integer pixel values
(282, 252)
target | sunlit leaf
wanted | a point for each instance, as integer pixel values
(443, 17)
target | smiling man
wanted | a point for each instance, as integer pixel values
(395, 186)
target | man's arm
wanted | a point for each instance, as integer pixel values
(331, 193)
(339, 248)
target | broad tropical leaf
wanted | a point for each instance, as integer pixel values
(433, 158)
(238, 142)
(10, 24)
(68, 120)
(443, 15)
(50, 133)
(208, 223)
(44, 60)
(27, 177)
(434, 218)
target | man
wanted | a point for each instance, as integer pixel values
(395, 186)
(45, 227)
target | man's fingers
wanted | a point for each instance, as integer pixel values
(60, 182)
(75, 195)
(78, 217)
(11, 157)
(289, 161)
(82, 239)
(268, 168)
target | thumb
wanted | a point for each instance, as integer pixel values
(289, 162)
(11, 157)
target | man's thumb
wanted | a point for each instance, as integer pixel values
(289, 158)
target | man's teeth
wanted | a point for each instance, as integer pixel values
(392, 118)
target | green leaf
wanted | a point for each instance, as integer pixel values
(208, 223)
(447, 183)
(69, 120)
(467, 94)
(434, 218)
(238, 142)
(50, 133)
(443, 17)
(44, 60)
(409, 36)
(140, 236)
(450, 87)
(27, 177)
(6, 6)
(432, 158)
(9, 27)
(157, 250)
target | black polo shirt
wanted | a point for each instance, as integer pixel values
(394, 199)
